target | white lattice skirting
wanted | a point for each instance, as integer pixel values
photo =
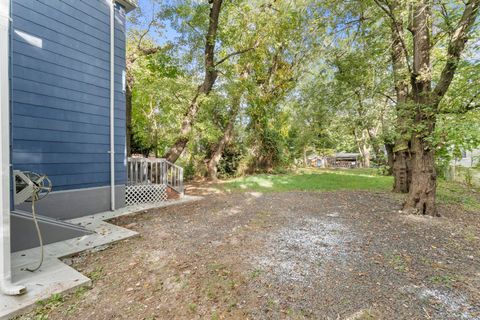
(145, 193)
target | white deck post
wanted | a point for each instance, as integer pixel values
(5, 264)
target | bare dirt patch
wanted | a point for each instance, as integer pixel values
(332, 255)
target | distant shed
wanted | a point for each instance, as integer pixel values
(344, 160)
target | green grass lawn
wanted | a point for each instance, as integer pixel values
(455, 193)
(348, 179)
(313, 180)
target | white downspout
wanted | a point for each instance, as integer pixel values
(5, 264)
(112, 105)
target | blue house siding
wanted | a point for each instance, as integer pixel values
(61, 91)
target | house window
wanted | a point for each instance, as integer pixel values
(464, 154)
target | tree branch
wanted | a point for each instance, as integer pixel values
(388, 10)
(140, 39)
(469, 106)
(193, 28)
(463, 110)
(455, 47)
(236, 53)
(388, 97)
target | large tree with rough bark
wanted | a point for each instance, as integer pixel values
(419, 100)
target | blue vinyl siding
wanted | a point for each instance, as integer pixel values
(61, 91)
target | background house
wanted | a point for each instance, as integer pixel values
(338, 160)
(344, 160)
(465, 169)
(469, 159)
(316, 161)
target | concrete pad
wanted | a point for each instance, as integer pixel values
(56, 277)
(53, 277)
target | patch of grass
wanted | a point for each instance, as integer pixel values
(256, 273)
(47, 305)
(55, 301)
(454, 193)
(295, 314)
(398, 262)
(80, 291)
(313, 180)
(96, 274)
(192, 307)
(220, 284)
(443, 279)
(347, 179)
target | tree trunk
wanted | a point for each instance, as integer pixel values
(366, 158)
(177, 148)
(224, 141)
(204, 89)
(363, 148)
(402, 172)
(217, 155)
(389, 149)
(401, 156)
(421, 196)
(372, 136)
(305, 160)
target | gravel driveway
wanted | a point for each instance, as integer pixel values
(330, 255)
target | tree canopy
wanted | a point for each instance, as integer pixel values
(234, 87)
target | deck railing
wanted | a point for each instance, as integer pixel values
(145, 171)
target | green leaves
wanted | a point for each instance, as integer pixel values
(312, 76)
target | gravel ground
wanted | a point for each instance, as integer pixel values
(331, 255)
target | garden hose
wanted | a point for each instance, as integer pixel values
(39, 234)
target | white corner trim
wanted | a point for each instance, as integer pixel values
(6, 286)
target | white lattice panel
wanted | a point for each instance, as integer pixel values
(145, 193)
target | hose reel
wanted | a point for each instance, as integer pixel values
(31, 187)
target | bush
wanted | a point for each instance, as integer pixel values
(228, 165)
(189, 171)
